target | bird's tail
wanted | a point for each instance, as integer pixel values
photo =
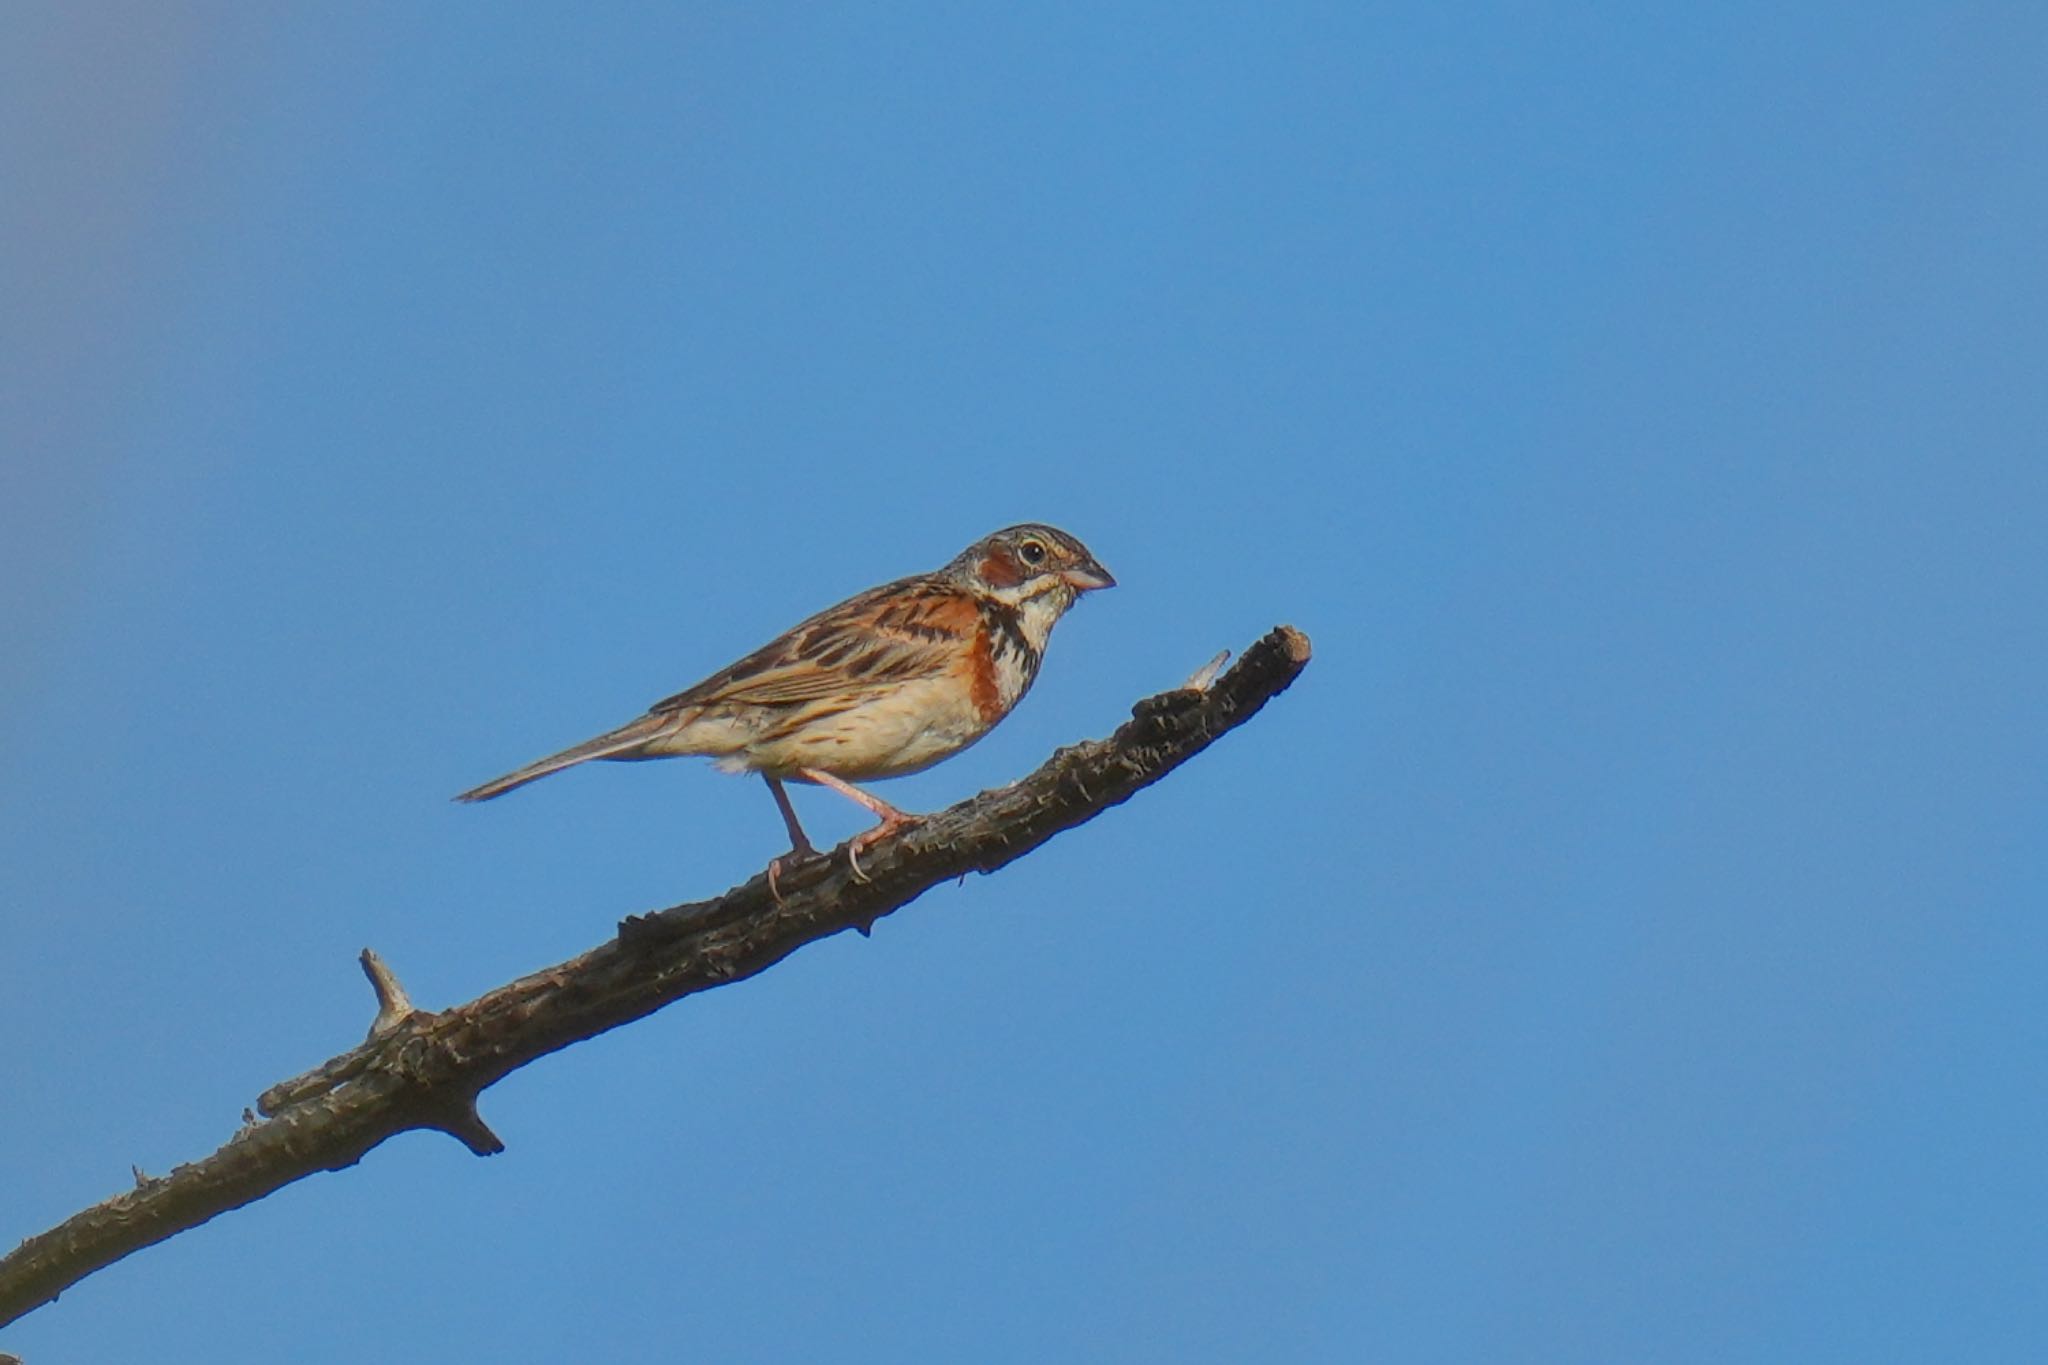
(624, 742)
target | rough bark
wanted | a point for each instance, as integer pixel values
(425, 1068)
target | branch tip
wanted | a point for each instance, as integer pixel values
(393, 1005)
(458, 1118)
(1293, 642)
(1204, 677)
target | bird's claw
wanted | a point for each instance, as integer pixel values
(795, 855)
(872, 837)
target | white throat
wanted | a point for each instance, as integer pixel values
(1037, 615)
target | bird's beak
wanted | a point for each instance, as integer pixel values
(1087, 576)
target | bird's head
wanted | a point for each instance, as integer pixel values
(1032, 563)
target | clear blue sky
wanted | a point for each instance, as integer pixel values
(1626, 943)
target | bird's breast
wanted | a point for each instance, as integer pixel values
(1007, 651)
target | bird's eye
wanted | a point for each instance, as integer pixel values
(1032, 552)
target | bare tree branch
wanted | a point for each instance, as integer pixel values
(425, 1068)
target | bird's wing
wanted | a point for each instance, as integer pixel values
(900, 632)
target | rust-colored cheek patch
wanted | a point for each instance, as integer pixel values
(999, 569)
(981, 678)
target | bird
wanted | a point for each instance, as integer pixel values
(886, 683)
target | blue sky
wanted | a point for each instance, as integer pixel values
(1625, 942)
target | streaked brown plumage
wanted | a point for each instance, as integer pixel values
(884, 684)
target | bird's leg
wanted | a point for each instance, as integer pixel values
(799, 846)
(892, 819)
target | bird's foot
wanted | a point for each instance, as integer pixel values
(893, 822)
(798, 853)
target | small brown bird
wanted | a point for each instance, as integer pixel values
(884, 684)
